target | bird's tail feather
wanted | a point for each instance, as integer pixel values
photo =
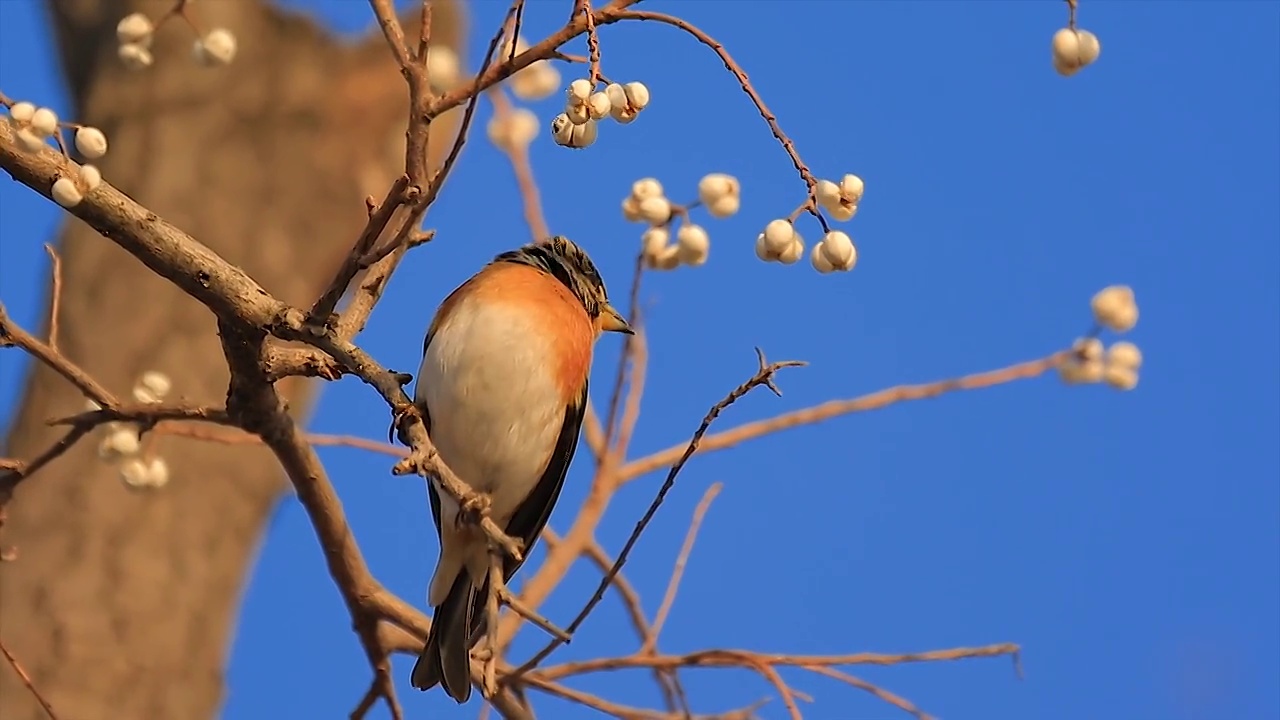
(447, 657)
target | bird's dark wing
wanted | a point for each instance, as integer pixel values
(426, 420)
(529, 519)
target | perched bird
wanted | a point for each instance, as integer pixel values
(503, 388)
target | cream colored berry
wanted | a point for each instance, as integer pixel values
(724, 206)
(631, 209)
(44, 121)
(714, 186)
(668, 259)
(637, 95)
(513, 131)
(134, 56)
(792, 253)
(443, 67)
(598, 106)
(827, 194)
(1125, 354)
(65, 192)
(653, 241)
(1116, 308)
(1079, 372)
(1120, 378)
(90, 177)
(135, 28)
(655, 210)
(91, 142)
(121, 440)
(819, 259)
(838, 249)
(29, 140)
(694, 245)
(1088, 348)
(157, 472)
(1073, 49)
(763, 251)
(851, 187)
(22, 112)
(778, 234)
(579, 91)
(536, 81)
(646, 188)
(578, 114)
(842, 213)
(217, 47)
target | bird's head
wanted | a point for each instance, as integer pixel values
(571, 265)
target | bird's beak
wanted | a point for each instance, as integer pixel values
(612, 321)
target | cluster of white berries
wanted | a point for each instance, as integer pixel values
(841, 199)
(781, 242)
(136, 31)
(537, 81)
(513, 130)
(718, 192)
(33, 126)
(1115, 309)
(1073, 49)
(123, 443)
(584, 106)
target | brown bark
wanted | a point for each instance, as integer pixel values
(121, 603)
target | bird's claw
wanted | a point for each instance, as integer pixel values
(474, 508)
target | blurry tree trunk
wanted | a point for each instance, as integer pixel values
(122, 603)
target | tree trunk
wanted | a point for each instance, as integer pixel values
(122, 602)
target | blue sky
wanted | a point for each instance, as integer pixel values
(1130, 542)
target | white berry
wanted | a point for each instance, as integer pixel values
(792, 253)
(135, 28)
(134, 56)
(599, 106)
(1115, 307)
(655, 210)
(646, 188)
(838, 249)
(694, 245)
(818, 257)
(778, 234)
(1125, 355)
(91, 142)
(1074, 49)
(90, 177)
(218, 47)
(44, 121)
(22, 111)
(65, 192)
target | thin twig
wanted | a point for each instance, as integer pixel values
(11, 334)
(26, 680)
(668, 599)
(724, 658)
(55, 297)
(891, 698)
(763, 377)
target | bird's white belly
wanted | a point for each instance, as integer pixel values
(495, 408)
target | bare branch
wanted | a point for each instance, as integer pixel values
(835, 408)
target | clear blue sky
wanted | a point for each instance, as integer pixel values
(1130, 542)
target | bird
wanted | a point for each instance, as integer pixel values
(502, 389)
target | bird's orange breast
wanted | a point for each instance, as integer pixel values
(550, 305)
